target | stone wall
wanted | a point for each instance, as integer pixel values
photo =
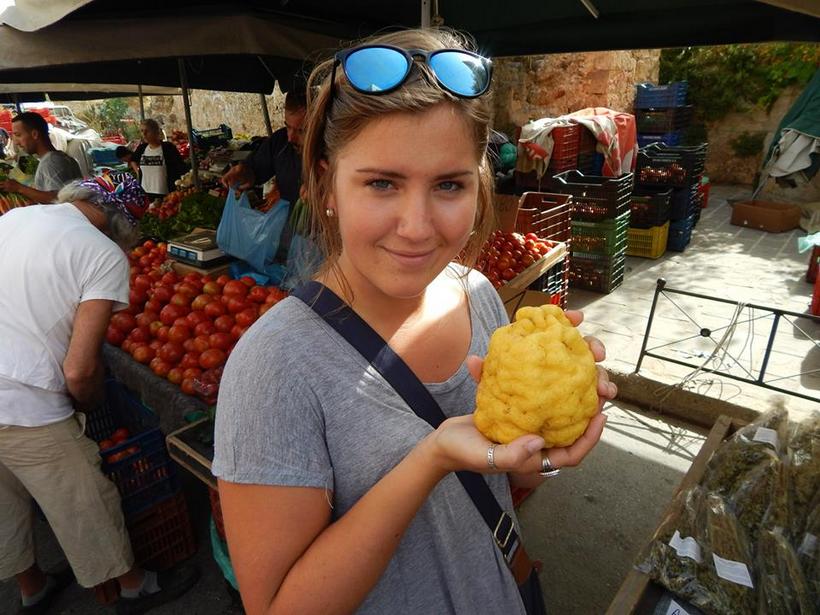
(533, 87)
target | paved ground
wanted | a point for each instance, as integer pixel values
(725, 261)
(590, 522)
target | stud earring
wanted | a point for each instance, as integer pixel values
(329, 212)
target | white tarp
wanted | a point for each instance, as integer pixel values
(31, 15)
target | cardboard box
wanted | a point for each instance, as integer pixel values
(766, 215)
(506, 211)
(215, 271)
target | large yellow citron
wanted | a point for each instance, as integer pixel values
(539, 377)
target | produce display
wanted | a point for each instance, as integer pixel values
(180, 140)
(10, 200)
(745, 540)
(505, 255)
(180, 212)
(184, 327)
(539, 377)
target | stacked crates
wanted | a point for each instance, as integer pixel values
(573, 149)
(154, 507)
(600, 212)
(679, 168)
(661, 113)
(649, 222)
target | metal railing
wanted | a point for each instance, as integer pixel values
(752, 375)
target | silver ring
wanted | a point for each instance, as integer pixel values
(491, 456)
(547, 469)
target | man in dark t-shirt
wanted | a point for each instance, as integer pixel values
(279, 156)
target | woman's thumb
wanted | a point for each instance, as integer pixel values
(519, 450)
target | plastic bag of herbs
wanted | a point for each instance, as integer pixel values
(760, 441)
(808, 553)
(804, 461)
(674, 558)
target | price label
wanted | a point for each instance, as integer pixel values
(736, 572)
(686, 547)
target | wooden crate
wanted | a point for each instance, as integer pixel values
(638, 594)
(186, 448)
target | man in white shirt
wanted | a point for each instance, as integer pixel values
(63, 271)
(55, 168)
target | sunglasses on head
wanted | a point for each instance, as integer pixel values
(379, 69)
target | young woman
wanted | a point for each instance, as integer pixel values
(337, 498)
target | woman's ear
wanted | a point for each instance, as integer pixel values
(323, 166)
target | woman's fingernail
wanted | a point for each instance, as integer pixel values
(613, 390)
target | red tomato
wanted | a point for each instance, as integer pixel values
(224, 323)
(220, 340)
(137, 296)
(258, 294)
(508, 274)
(182, 299)
(163, 294)
(201, 301)
(179, 333)
(247, 281)
(159, 367)
(188, 345)
(171, 312)
(213, 357)
(235, 288)
(192, 372)
(223, 279)
(202, 343)
(196, 317)
(146, 318)
(114, 336)
(155, 274)
(205, 328)
(188, 288)
(191, 359)
(145, 261)
(237, 331)
(142, 282)
(170, 278)
(175, 375)
(236, 305)
(162, 333)
(123, 321)
(155, 344)
(126, 345)
(105, 445)
(193, 278)
(211, 288)
(171, 352)
(154, 328)
(149, 244)
(188, 386)
(116, 457)
(182, 322)
(215, 309)
(143, 354)
(140, 335)
(246, 317)
(152, 305)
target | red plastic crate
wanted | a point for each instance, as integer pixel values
(815, 298)
(545, 214)
(567, 140)
(162, 536)
(814, 263)
(703, 188)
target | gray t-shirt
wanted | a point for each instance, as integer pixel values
(55, 170)
(298, 406)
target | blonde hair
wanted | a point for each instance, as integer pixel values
(332, 124)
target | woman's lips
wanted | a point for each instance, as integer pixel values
(410, 259)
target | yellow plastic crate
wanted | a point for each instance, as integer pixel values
(648, 242)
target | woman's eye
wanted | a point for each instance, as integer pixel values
(380, 184)
(450, 186)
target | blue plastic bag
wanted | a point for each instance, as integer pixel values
(251, 235)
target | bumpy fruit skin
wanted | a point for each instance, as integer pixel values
(539, 377)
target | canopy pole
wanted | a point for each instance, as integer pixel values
(425, 13)
(142, 103)
(17, 104)
(266, 114)
(183, 80)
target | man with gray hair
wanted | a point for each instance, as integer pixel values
(63, 270)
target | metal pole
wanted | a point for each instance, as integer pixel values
(183, 80)
(659, 286)
(265, 113)
(425, 13)
(142, 103)
(17, 104)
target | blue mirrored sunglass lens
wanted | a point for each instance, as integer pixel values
(375, 69)
(462, 73)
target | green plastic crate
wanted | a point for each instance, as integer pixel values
(606, 237)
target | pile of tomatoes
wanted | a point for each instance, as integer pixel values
(119, 436)
(505, 255)
(184, 327)
(169, 207)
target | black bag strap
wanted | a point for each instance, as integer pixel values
(395, 371)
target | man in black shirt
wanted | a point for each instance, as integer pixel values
(280, 155)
